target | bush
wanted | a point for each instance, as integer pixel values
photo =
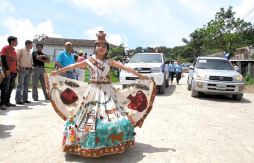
(252, 56)
(248, 79)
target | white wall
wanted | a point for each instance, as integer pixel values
(49, 50)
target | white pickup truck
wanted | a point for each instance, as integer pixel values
(153, 65)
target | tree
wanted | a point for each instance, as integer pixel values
(166, 51)
(116, 52)
(225, 32)
(196, 43)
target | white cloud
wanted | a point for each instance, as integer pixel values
(5, 6)
(90, 34)
(47, 29)
(147, 23)
(25, 30)
(102, 7)
(115, 39)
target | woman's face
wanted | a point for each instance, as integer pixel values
(101, 49)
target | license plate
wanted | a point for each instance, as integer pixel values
(221, 87)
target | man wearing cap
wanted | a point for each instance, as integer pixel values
(81, 76)
(24, 61)
(38, 73)
(64, 59)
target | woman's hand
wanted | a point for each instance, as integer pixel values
(53, 73)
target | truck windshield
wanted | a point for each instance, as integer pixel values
(151, 58)
(218, 64)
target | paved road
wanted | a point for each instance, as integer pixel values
(178, 129)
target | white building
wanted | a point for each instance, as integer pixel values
(52, 46)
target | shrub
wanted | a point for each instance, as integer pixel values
(248, 79)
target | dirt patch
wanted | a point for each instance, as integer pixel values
(249, 89)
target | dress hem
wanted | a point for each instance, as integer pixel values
(98, 152)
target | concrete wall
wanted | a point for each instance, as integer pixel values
(50, 50)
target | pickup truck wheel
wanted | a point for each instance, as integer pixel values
(162, 88)
(194, 93)
(188, 85)
(167, 83)
(124, 86)
(238, 97)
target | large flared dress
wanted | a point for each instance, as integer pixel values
(100, 119)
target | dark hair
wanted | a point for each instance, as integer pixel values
(39, 45)
(106, 55)
(11, 38)
(28, 42)
(75, 57)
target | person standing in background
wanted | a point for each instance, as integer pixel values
(65, 58)
(172, 70)
(24, 61)
(81, 75)
(38, 73)
(179, 72)
(76, 70)
(9, 62)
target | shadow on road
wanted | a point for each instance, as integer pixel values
(23, 107)
(222, 98)
(133, 154)
(168, 91)
(4, 129)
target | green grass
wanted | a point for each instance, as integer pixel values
(114, 78)
(49, 67)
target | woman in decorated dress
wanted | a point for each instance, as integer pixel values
(100, 119)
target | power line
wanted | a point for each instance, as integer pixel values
(247, 10)
(230, 2)
(251, 18)
(249, 13)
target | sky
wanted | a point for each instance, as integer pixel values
(134, 23)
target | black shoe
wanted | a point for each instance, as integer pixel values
(27, 101)
(20, 103)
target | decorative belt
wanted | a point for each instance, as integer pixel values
(99, 82)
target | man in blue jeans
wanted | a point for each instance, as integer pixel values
(24, 60)
(65, 58)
